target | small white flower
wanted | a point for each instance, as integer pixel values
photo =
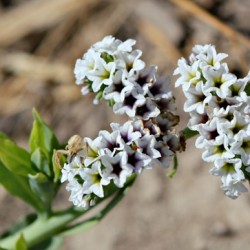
(103, 74)
(146, 145)
(119, 87)
(160, 89)
(190, 74)
(93, 149)
(111, 142)
(93, 180)
(147, 110)
(219, 80)
(129, 131)
(132, 100)
(85, 65)
(232, 188)
(208, 55)
(241, 146)
(76, 194)
(219, 149)
(130, 62)
(116, 168)
(166, 154)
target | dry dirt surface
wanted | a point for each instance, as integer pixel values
(39, 43)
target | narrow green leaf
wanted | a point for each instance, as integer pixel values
(41, 162)
(188, 133)
(18, 186)
(42, 136)
(21, 244)
(42, 186)
(247, 89)
(16, 159)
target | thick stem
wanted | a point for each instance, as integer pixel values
(41, 229)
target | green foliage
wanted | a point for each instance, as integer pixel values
(18, 185)
(188, 133)
(16, 159)
(30, 176)
(42, 137)
(43, 188)
(21, 244)
(41, 162)
(247, 89)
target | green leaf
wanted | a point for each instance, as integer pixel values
(16, 159)
(247, 89)
(43, 187)
(188, 133)
(42, 136)
(18, 186)
(3, 135)
(21, 244)
(50, 244)
(41, 162)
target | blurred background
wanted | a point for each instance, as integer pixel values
(40, 41)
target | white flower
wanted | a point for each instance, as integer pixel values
(146, 145)
(93, 180)
(85, 65)
(103, 74)
(160, 89)
(137, 160)
(111, 142)
(190, 74)
(130, 62)
(231, 128)
(108, 44)
(219, 149)
(147, 110)
(241, 146)
(119, 87)
(166, 154)
(76, 194)
(207, 55)
(93, 149)
(219, 80)
(132, 100)
(129, 131)
(196, 99)
(232, 188)
(116, 168)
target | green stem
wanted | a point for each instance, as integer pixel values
(42, 228)
(46, 227)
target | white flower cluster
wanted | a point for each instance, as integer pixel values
(113, 157)
(219, 106)
(113, 71)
